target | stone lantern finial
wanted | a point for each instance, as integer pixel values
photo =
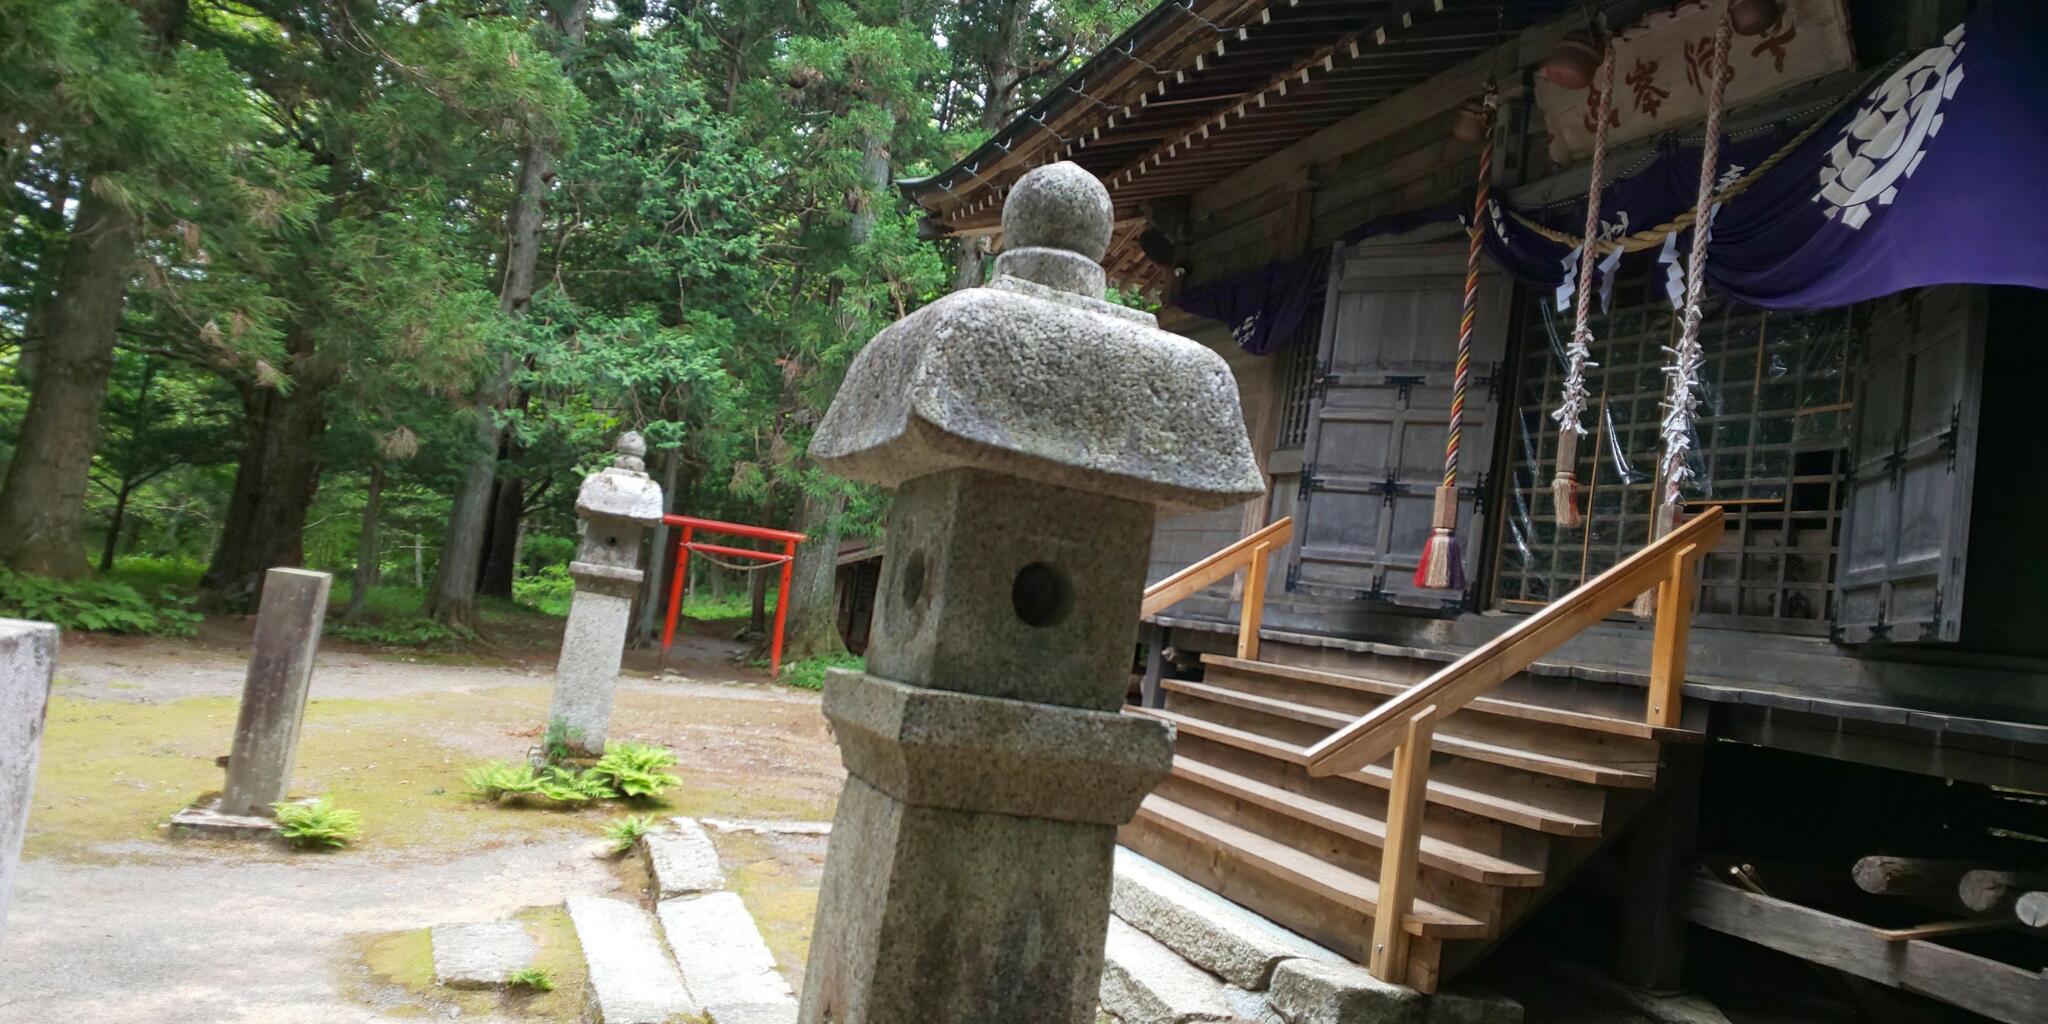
(632, 451)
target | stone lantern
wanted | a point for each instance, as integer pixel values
(616, 506)
(1032, 432)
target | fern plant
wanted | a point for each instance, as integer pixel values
(637, 771)
(535, 979)
(497, 780)
(317, 825)
(627, 831)
(567, 786)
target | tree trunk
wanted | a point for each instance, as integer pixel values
(275, 480)
(42, 504)
(452, 602)
(653, 598)
(813, 624)
(366, 545)
(813, 616)
(757, 597)
(114, 523)
(501, 539)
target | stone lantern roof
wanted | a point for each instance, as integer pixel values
(623, 491)
(1036, 376)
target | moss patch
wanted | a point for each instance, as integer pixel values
(778, 881)
(112, 770)
(397, 975)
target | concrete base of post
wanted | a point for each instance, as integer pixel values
(205, 818)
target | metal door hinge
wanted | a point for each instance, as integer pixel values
(1948, 437)
(1405, 384)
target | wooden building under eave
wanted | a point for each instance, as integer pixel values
(1866, 673)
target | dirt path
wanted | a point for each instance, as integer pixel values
(115, 922)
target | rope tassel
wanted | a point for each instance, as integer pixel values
(1564, 487)
(1441, 567)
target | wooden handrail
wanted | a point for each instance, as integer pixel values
(1250, 553)
(1507, 655)
(1404, 724)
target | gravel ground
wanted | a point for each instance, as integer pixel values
(114, 923)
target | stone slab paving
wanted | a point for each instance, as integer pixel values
(1143, 982)
(481, 955)
(761, 826)
(724, 961)
(632, 978)
(682, 861)
(1206, 929)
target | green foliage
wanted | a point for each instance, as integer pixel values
(636, 771)
(535, 979)
(99, 605)
(317, 825)
(418, 631)
(809, 674)
(548, 590)
(323, 205)
(554, 741)
(626, 831)
(730, 608)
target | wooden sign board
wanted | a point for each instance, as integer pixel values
(1659, 71)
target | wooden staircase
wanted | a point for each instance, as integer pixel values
(1310, 795)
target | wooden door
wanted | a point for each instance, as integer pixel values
(1906, 517)
(1379, 408)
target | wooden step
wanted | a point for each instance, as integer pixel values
(1446, 787)
(1448, 739)
(1347, 888)
(1486, 705)
(1436, 853)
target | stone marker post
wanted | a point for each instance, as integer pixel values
(616, 505)
(274, 693)
(1032, 432)
(28, 662)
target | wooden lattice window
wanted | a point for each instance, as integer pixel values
(1298, 386)
(1770, 445)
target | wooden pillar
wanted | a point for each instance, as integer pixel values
(1674, 628)
(1657, 859)
(1153, 636)
(1402, 853)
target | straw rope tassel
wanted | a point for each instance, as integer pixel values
(1442, 566)
(1682, 396)
(1564, 487)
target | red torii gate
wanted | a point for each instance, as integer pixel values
(690, 525)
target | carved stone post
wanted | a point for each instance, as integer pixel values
(1032, 432)
(616, 506)
(28, 663)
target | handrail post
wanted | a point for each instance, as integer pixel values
(1253, 610)
(1389, 957)
(1674, 623)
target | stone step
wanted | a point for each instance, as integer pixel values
(1143, 982)
(724, 961)
(682, 860)
(632, 978)
(481, 955)
(1207, 930)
